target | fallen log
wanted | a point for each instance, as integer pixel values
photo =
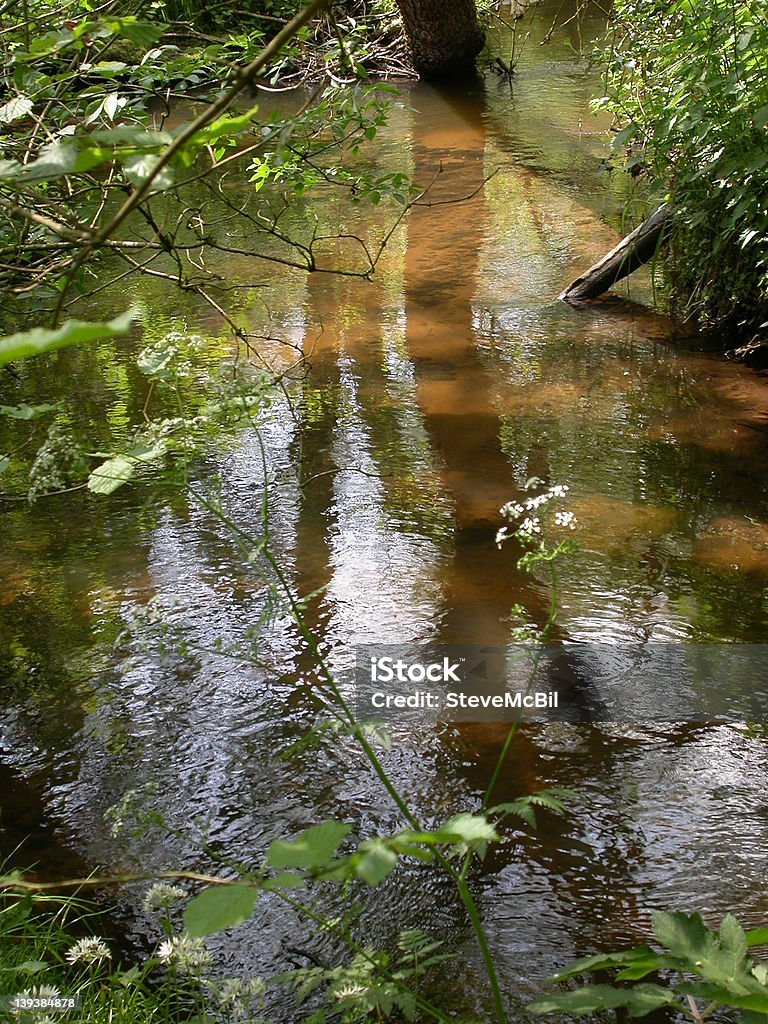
(637, 248)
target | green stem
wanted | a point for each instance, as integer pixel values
(245, 541)
(500, 761)
(333, 927)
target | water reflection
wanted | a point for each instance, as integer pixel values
(432, 394)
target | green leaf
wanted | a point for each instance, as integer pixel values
(519, 809)
(760, 118)
(313, 848)
(219, 907)
(133, 136)
(142, 33)
(376, 862)
(638, 970)
(757, 937)
(28, 967)
(639, 1000)
(73, 332)
(605, 961)
(757, 1002)
(622, 138)
(139, 166)
(377, 732)
(118, 470)
(15, 109)
(684, 935)
(110, 475)
(733, 938)
(26, 412)
(470, 828)
(153, 360)
(225, 127)
(4, 463)
(56, 159)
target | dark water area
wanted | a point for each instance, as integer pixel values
(433, 393)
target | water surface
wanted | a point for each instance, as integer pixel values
(433, 392)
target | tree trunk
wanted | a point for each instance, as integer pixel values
(637, 248)
(444, 36)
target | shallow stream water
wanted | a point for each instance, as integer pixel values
(433, 393)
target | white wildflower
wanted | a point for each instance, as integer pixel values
(88, 951)
(566, 519)
(559, 490)
(161, 895)
(537, 502)
(237, 993)
(188, 955)
(512, 510)
(501, 536)
(349, 992)
(529, 526)
(40, 992)
(32, 1002)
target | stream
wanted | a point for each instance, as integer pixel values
(433, 393)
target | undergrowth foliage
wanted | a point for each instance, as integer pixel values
(688, 85)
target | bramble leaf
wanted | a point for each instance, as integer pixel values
(313, 848)
(219, 907)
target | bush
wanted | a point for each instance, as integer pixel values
(688, 85)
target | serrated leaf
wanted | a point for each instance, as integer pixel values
(73, 332)
(757, 1001)
(377, 732)
(519, 809)
(139, 166)
(684, 935)
(470, 828)
(219, 907)
(605, 961)
(732, 937)
(639, 1000)
(55, 160)
(115, 472)
(15, 109)
(313, 848)
(639, 970)
(376, 862)
(110, 475)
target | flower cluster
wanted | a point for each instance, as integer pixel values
(88, 951)
(161, 895)
(187, 954)
(349, 992)
(527, 515)
(236, 994)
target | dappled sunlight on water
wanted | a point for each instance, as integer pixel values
(429, 396)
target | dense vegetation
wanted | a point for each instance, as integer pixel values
(688, 85)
